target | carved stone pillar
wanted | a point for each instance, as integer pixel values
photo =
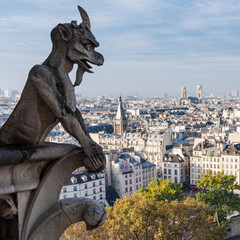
(31, 179)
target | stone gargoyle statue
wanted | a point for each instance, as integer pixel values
(48, 96)
(32, 171)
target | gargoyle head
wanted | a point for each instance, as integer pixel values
(78, 44)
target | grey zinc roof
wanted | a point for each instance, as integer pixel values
(147, 164)
(108, 128)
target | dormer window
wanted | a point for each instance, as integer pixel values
(93, 176)
(73, 180)
(84, 178)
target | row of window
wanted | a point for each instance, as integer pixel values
(198, 176)
(136, 173)
(75, 195)
(148, 176)
(169, 165)
(169, 171)
(130, 181)
(130, 189)
(232, 166)
(168, 177)
(76, 189)
(139, 173)
(94, 191)
(214, 159)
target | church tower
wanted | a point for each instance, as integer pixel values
(199, 93)
(184, 92)
(120, 122)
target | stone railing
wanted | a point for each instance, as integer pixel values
(31, 178)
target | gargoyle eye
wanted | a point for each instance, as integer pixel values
(88, 47)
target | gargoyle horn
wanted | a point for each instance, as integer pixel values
(85, 18)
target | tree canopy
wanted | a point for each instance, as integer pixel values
(138, 217)
(163, 190)
(218, 194)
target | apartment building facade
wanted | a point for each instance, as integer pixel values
(215, 159)
(86, 185)
(127, 173)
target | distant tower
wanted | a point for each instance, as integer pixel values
(199, 93)
(184, 92)
(120, 122)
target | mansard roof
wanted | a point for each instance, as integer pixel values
(82, 177)
(173, 158)
(231, 151)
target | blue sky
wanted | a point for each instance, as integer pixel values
(151, 47)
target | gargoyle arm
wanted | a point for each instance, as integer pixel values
(81, 121)
(72, 121)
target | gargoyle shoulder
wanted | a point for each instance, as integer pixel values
(40, 71)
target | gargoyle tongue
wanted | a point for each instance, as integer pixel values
(79, 76)
(82, 68)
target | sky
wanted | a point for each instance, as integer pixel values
(150, 47)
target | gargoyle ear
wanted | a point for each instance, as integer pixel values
(66, 34)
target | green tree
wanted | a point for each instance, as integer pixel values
(136, 217)
(187, 220)
(219, 195)
(162, 190)
(133, 217)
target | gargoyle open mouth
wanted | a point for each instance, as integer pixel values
(85, 65)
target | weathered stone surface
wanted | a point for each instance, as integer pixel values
(32, 171)
(37, 199)
(26, 163)
(66, 212)
(52, 181)
(15, 154)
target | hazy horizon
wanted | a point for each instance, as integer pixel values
(151, 47)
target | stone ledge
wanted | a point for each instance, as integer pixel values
(30, 183)
(15, 154)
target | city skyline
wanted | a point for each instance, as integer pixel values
(150, 47)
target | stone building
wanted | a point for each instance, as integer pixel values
(184, 100)
(184, 92)
(175, 167)
(214, 158)
(127, 173)
(199, 92)
(153, 146)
